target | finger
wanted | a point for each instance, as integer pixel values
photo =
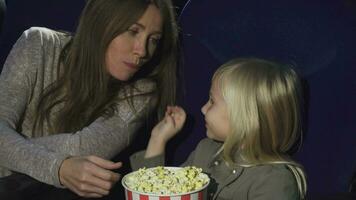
(89, 185)
(89, 195)
(83, 194)
(105, 185)
(93, 195)
(178, 113)
(170, 119)
(182, 112)
(92, 189)
(168, 112)
(170, 109)
(106, 164)
(104, 174)
(175, 110)
(179, 110)
(72, 188)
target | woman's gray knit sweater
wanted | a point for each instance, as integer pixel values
(30, 67)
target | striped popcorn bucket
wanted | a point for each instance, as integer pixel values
(131, 195)
(200, 194)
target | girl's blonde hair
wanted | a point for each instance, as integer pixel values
(263, 100)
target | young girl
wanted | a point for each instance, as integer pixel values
(252, 119)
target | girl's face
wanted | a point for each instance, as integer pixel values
(216, 115)
(130, 50)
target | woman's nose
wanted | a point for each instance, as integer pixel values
(140, 48)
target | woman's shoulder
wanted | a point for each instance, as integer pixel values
(45, 36)
(144, 86)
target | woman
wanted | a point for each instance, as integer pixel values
(68, 103)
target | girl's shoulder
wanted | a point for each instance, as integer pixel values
(276, 173)
(271, 169)
(209, 142)
(208, 145)
(274, 181)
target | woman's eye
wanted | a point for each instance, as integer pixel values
(155, 41)
(132, 31)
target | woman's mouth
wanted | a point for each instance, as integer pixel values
(131, 65)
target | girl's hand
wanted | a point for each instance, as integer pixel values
(169, 126)
(89, 176)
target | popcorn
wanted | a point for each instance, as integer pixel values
(167, 180)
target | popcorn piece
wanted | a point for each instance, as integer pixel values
(167, 181)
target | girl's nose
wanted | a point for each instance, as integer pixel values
(203, 109)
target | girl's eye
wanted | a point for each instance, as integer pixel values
(211, 101)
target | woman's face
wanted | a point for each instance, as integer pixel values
(216, 115)
(130, 50)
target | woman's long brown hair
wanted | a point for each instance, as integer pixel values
(84, 90)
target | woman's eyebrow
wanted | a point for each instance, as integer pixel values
(143, 27)
(138, 24)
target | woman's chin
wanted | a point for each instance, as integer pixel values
(122, 77)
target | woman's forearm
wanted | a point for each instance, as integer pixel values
(21, 155)
(105, 137)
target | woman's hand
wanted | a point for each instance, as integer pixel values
(170, 125)
(89, 176)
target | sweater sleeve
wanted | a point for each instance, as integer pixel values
(198, 156)
(16, 152)
(105, 137)
(41, 158)
(137, 160)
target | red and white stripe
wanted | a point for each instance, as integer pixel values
(195, 196)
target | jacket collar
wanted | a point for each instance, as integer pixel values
(223, 174)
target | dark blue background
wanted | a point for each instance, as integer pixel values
(318, 36)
